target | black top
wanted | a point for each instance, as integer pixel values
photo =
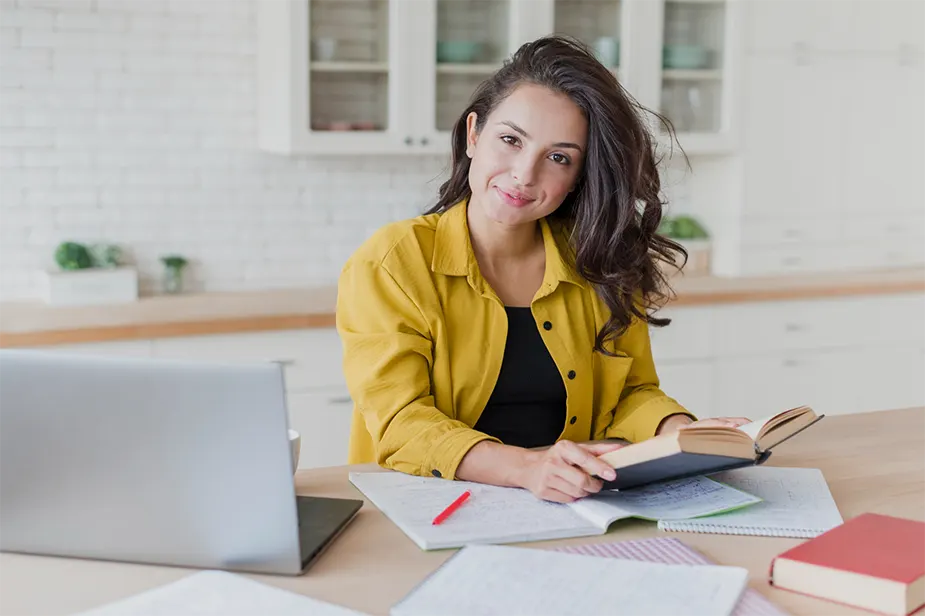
(527, 406)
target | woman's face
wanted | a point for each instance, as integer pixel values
(528, 155)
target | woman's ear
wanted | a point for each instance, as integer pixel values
(472, 134)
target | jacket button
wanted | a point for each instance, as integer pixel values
(571, 374)
(547, 326)
(573, 420)
(437, 473)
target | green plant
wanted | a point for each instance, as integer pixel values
(73, 256)
(105, 255)
(682, 228)
(174, 261)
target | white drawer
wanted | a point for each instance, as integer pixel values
(891, 227)
(323, 419)
(690, 383)
(690, 334)
(775, 232)
(788, 259)
(311, 357)
(755, 329)
(756, 387)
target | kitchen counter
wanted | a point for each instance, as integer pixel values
(32, 323)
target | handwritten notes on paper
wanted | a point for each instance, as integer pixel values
(524, 581)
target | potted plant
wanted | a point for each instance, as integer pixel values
(687, 231)
(89, 275)
(173, 273)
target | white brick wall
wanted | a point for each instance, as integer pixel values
(133, 122)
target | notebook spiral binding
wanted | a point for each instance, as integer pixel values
(721, 529)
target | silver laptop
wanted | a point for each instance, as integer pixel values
(154, 461)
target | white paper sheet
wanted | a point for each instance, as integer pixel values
(492, 514)
(488, 580)
(219, 593)
(796, 502)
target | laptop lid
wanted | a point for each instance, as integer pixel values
(146, 460)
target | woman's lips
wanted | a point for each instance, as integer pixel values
(515, 200)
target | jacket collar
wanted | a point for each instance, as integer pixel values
(453, 254)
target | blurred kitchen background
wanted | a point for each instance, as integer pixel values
(185, 178)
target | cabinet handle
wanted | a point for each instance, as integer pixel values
(793, 327)
(284, 362)
(791, 363)
(340, 400)
(424, 141)
(409, 141)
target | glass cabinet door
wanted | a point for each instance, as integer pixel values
(349, 66)
(692, 65)
(596, 23)
(473, 38)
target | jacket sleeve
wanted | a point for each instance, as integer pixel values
(642, 405)
(388, 358)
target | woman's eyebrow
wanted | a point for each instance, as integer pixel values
(561, 144)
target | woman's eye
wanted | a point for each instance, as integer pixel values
(562, 159)
(508, 139)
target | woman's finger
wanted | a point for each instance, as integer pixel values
(580, 457)
(568, 486)
(599, 449)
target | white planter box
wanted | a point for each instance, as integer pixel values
(699, 253)
(90, 286)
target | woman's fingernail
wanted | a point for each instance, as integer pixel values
(610, 475)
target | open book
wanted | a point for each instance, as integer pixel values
(700, 451)
(506, 515)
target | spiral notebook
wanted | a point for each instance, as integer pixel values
(796, 502)
(670, 551)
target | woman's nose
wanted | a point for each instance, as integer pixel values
(524, 171)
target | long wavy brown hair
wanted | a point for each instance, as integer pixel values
(614, 211)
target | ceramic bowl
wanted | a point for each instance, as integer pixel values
(458, 51)
(685, 56)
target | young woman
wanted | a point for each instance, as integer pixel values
(487, 339)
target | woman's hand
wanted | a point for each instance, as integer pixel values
(673, 423)
(564, 472)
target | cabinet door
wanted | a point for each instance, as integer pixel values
(791, 123)
(459, 44)
(311, 358)
(691, 384)
(323, 420)
(334, 76)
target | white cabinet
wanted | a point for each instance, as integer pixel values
(317, 401)
(838, 355)
(322, 417)
(377, 76)
(690, 383)
(311, 357)
(835, 25)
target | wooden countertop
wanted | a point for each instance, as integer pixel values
(872, 463)
(32, 323)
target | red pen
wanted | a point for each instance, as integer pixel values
(456, 504)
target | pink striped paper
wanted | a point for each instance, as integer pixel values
(671, 551)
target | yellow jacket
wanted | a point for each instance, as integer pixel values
(424, 334)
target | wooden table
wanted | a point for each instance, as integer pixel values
(872, 461)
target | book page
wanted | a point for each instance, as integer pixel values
(502, 580)
(752, 429)
(219, 593)
(683, 498)
(491, 515)
(794, 500)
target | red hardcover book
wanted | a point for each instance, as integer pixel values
(873, 561)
